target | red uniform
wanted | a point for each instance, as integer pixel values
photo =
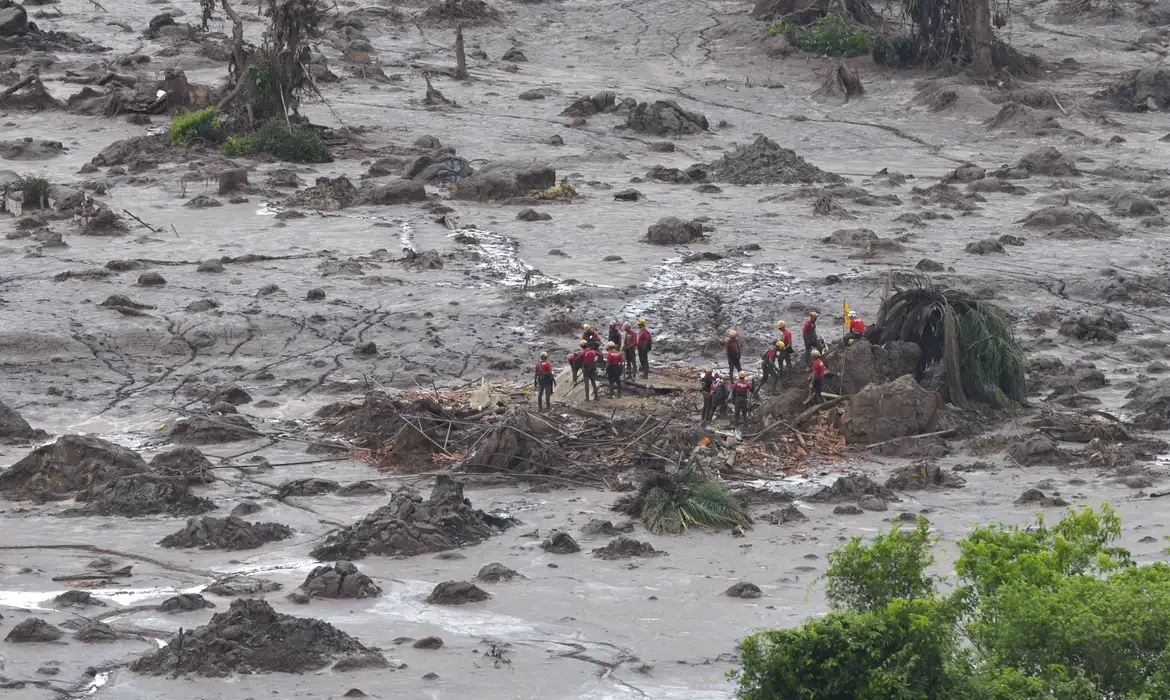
(807, 325)
(644, 345)
(544, 369)
(631, 340)
(770, 356)
(644, 339)
(613, 358)
(818, 369)
(741, 389)
(733, 346)
(786, 336)
(857, 326)
(589, 357)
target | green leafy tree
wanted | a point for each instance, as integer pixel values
(868, 577)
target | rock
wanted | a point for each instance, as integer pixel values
(671, 230)
(965, 173)
(185, 462)
(138, 495)
(341, 580)
(251, 637)
(862, 239)
(246, 508)
(532, 95)
(604, 528)
(315, 294)
(457, 593)
(665, 118)
(886, 411)
(366, 349)
(27, 148)
(151, 279)
(198, 430)
(847, 509)
(82, 599)
(1037, 449)
(504, 180)
(211, 266)
(1071, 223)
(928, 265)
(1150, 406)
(674, 176)
(203, 202)
(236, 585)
(603, 102)
(874, 503)
(764, 162)
(529, 214)
(328, 194)
(923, 475)
(408, 526)
(496, 573)
(72, 463)
(95, 631)
(851, 488)
(33, 629)
(230, 534)
(630, 195)
(743, 589)
(514, 55)
(1037, 497)
(48, 670)
(1133, 205)
(1099, 326)
(626, 548)
(428, 643)
(986, 246)
(874, 364)
(392, 193)
(15, 429)
(232, 180)
(306, 487)
(560, 543)
(1009, 239)
(361, 488)
(787, 514)
(185, 602)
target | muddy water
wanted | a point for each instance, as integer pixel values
(70, 365)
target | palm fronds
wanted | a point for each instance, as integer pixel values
(671, 503)
(972, 339)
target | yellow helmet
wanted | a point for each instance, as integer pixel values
(731, 333)
(706, 370)
(641, 322)
(582, 343)
(743, 375)
(544, 355)
(611, 344)
(780, 344)
(586, 326)
(816, 353)
(779, 324)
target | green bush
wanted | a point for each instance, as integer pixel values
(203, 125)
(869, 578)
(830, 35)
(276, 139)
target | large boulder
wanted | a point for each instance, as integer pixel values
(229, 534)
(671, 230)
(14, 428)
(341, 580)
(393, 192)
(72, 463)
(13, 19)
(505, 180)
(887, 411)
(865, 363)
(137, 495)
(665, 118)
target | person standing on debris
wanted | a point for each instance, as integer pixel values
(818, 378)
(812, 339)
(645, 344)
(741, 391)
(613, 368)
(856, 327)
(615, 335)
(575, 361)
(630, 348)
(733, 352)
(707, 389)
(771, 369)
(589, 359)
(785, 356)
(544, 382)
(719, 397)
(591, 337)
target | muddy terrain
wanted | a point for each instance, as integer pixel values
(166, 349)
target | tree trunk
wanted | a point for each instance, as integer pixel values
(982, 39)
(460, 55)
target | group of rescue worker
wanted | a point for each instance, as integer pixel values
(627, 352)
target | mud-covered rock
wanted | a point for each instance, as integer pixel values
(1071, 223)
(76, 598)
(33, 629)
(847, 509)
(788, 514)
(851, 487)
(671, 230)
(744, 589)
(923, 475)
(530, 214)
(184, 462)
(887, 411)
(428, 643)
(95, 631)
(457, 593)
(1104, 325)
(1143, 90)
(626, 548)
(560, 543)
(340, 580)
(1128, 204)
(306, 487)
(200, 430)
(1049, 161)
(236, 585)
(1039, 498)
(1150, 406)
(605, 528)
(665, 118)
(230, 533)
(987, 246)
(408, 526)
(496, 573)
(246, 507)
(601, 103)
(504, 180)
(15, 429)
(138, 495)
(1037, 449)
(70, 464)
(185, 602)
(764, 162)
(251, 637)
(360, 488)
(873, 503)
(328, 194)
(391, 193)
(868, 364)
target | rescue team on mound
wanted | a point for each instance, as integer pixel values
(627, 352)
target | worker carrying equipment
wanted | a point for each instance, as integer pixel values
(544, 382)
(575, 361)
(771, 368)
(733, 353)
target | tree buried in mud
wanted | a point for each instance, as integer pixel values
(671, 503)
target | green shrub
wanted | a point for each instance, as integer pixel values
(276, 139)
(868, 578)
(830, 35)
(203, 125)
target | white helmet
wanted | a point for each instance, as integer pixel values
(852, 314)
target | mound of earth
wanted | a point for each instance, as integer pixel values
(862, 239)
(604, 528)
(1150, 406)
(1037, 497)
(34, 629)
(626, 548)
(230, 533)
(199, 430)
(787, 514)
(886, 411)
(1144, 90)
(236, 585)
(603, 102)
(923, 475)
(328, 194)
(764, 162)
(70, 464)
(744, 589)
(671, 230)
(306, 487)
(1048, 161)
(96, 631)
(496, 573)
(665, 118)
(341, 580)
(504, 180)
(408, 526)
(14, 428)
(1037, 449)
(141, 494)
(457, 593)
(1071, 223)
(185, 602)
(251, 637)
(1130, 205)
(851, 488)
(873, 364)
(1104, 325)
(361, 488)
(1020, 119)
(82, 599)
(467, 12)
(184, 462)
(560, 543)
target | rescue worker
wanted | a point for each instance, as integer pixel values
(615, 335)
(645, 344)
(707, 389)
(591, 337)
(589, 360)
(771, 369)
(856, 327)
(740, 393)
(817, 383)
(613, 368)
(812, 340)
(630, 348)
(544, 382)
(575, 361)
(786, 338)
(733, 353)
(719, 397)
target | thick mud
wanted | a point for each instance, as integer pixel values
(191, 336)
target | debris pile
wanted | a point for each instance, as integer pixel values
(626, 548)
(665, 118)
(72, 463)
(185, 602)
(764, 162)
(186, 463)
(141, 494)
(230, 533)
(923, 475)
(341, 580)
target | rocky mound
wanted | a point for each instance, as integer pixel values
(230, 533)
(665, 118)
(605, 528)
(457, 593)
(1048, 161)
(1103, 325)
(14, 428)
(236, 585)
(185, 602)
(764, 162)
(341, 580)
(1071, 223)
(496, 573)
(671, 230)
(1150, 404)
(744, 589)
(626, 548)
(1017, 118)
(923, 475)
(408, 526)
(560, 543)
(141, 494)
(306, 487)
(361, 488)
(873, 364)
(34, 629)
(251, 637)
(603, 102)
(186, 463)
(327, 194)
(886, 411)
(861, 239)
(70, 464)
(96, 631)
(502, 180)
(81, 599)
(850, 488)
(1144, 90)
(199, 430)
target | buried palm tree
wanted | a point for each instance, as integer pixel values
(970, 338)
(670, 503)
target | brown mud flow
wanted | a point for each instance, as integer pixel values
(266, 421)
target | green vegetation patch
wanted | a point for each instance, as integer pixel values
(204, 125)
(830, 35)
(276, 139)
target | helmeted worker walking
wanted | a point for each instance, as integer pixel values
(591, 337)
(856, 327)
(733, 353)
(589, 360)
(817, 378)
(613, 368)
(740, 394)
(812, 339)
(707, 389)
(544, 382)
(785, 357)
(630, 348)
(771, 369)
(645, 344)
(575, 361)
